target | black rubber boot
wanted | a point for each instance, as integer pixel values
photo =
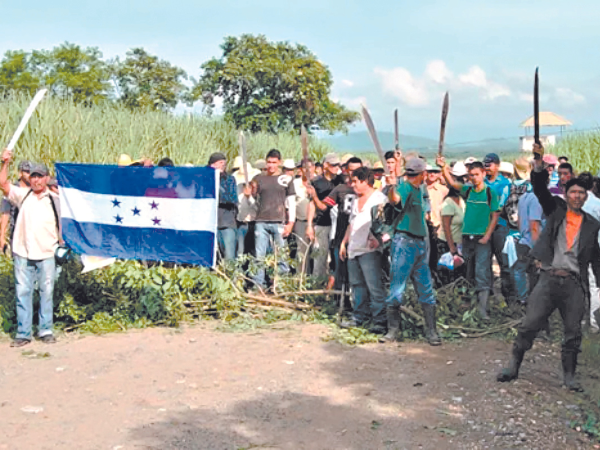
(430, 326)
(483, 298)
(569, 362)
(512, 371)
(393, 324)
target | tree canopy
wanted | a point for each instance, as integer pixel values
(146, 81)
(271, 86)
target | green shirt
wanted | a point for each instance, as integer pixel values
(479, 206)
(413, 221)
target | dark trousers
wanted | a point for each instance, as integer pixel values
(498, 239)
(551, 292)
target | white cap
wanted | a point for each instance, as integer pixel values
(289, 164)
(459, 170)
(470, 160)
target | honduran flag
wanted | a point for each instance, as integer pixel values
(147, 213)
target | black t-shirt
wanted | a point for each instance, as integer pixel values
(271, 194)
(323, 188)
(343, 196)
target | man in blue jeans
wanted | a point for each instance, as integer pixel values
(481, 216)
(228, 206)
(410, 255)
(364, 257)
(276, 211)
(36, 237)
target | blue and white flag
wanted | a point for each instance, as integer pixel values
(148, 213)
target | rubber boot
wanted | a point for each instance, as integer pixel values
(393, 324)
(430, 326)
(569, 362)
(483, 298)
(512, 371)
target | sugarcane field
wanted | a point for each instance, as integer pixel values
(320, 226)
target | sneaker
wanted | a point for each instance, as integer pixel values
(48, 339)
(19, 342)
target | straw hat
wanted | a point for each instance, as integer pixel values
(124, 160)
(522, 167)
(289, 164)
(378, 165)
(346, 157)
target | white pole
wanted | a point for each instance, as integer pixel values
(30, 109)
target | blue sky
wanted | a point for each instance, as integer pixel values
(389, 54)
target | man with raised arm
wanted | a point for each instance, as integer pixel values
(481, 216)
(410, 250)
(566, 248)
(35, 240)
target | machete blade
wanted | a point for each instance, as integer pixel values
(445, 107)
(242, 140)
(374, 138)
(536, 108)
(396, 131)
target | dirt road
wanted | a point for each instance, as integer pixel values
(282, 388)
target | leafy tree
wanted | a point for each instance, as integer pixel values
(147, 82)
(74, 73)
(271, 86)
(16, 74)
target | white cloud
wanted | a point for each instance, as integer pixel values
(569, 97)
(401, 84)
(347, 83)
(438, 72)
(490, 90)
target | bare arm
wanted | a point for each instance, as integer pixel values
(446, 221)
(4, 183)
(393, 195)
(536, 229)
(491, 227)
(343, 252)
(447, 175)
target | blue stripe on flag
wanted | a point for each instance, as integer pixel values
(138, 181)
(155, 244)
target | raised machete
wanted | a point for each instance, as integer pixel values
(536, 110)
(396, 131)
(242, 140)
(374, 138)
(445, 107)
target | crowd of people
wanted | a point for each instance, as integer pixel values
(369, 230)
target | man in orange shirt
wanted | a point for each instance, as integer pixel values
(566, 248)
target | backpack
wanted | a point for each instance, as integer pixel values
(510, 211)
(488, 192)
(385, 219)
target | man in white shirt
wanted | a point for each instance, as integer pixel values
(35, 240)
(364, 256)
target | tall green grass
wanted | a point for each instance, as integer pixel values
(583, 151)
(61, 131)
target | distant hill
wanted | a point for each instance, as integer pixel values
(360, 141)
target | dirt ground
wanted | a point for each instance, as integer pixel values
(281, 388)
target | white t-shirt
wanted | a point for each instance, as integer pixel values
(360, 225)
(36, 234)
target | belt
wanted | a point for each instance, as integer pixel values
(472, 237)
(562, 273)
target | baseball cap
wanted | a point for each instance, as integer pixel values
(414, 166)
(332, 158)
(39, 168)
(470, 160)
(430, 168)
(551, 160)
(288, 164)
(491, 158)
(459, 170)
(25, 166)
